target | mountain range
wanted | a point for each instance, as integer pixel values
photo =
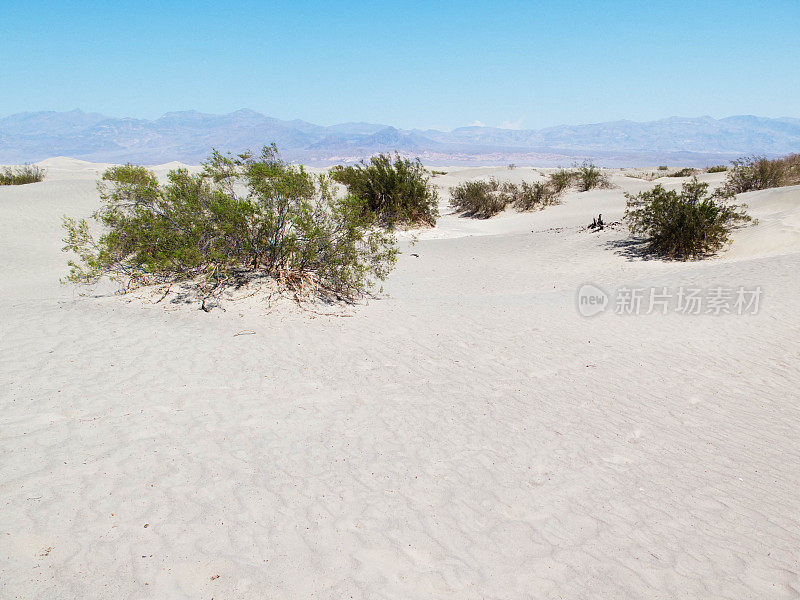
(188, 136)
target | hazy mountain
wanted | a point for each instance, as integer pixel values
(189, 135)
(49, 123)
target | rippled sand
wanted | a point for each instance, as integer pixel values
(468, 436)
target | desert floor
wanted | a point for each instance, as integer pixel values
(467, 435)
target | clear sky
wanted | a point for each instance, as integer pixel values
(408, 64)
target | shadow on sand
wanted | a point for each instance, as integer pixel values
(632, 249)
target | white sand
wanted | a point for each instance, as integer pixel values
(470, 436)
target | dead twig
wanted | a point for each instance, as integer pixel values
(169, 288)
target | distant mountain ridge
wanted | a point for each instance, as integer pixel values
(188, 136)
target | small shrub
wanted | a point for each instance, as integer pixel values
(760, 173)
(484, 199)
(663, 168)
(646, 175)
(717, 169)
(481, 199)
(392, 192)
(201, 229)
(435, 173)
(589, 177)
(562, 179)
(534, 196)
(21, 175)
(686, 172)
(512, 166)
(683, 225)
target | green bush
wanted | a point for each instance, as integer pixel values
(484, 199)
(685, 172)
(562, 179)
(589, 177)
(21, 175)
(534, 196)
(683, 225)
(663, 168)
(481, 199)
(645, 175)
(392, 192)
(717, 169)
(203, 229)
(760, 173)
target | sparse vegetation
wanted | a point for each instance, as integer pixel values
(687, 224)
(484, 199)
(534, 196)
(435, 173)
(201, 229)
(585, 177)
(760, 173)
(481, 199)
(685, 172)
(590, 176)
(21, 175)
(663, 168)
(512, 166)
(662, 172)
(392, 192)
(562, 179)
(645, 175)
(717, 169)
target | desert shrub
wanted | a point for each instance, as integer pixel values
(589, 176)
(792, 165)
(512, 166)
(760, 173)
(481, 199)
(484, 199)
(562, 179)
(240, 218)
(646, 175)
(533, 196)
(21, 175)
(434, 173)
(717, 169)
(685, 172)
(663, 168)
(683, 225)
(393, 192)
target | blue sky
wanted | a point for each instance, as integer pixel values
(408, 64)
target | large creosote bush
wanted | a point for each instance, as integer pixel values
(760, 173)
(394, 191)
(687, 224)
(21, 175)
(241, 218)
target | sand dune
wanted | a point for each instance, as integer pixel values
(469, 435)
